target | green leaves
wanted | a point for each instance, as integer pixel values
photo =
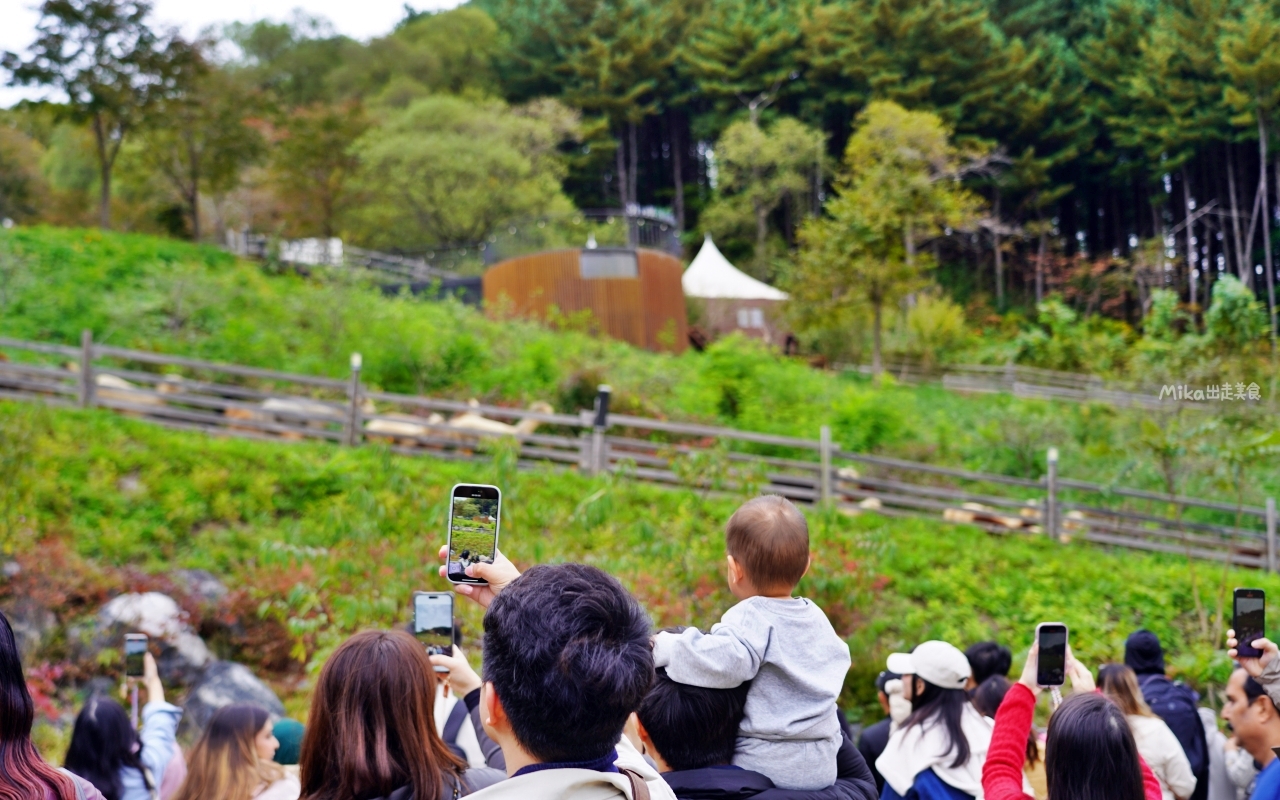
(447, 170)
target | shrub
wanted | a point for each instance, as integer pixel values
(1235, 317)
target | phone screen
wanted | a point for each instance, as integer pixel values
(433, 621)
(473, 529)
(135, 646)
(1051, 668)
(1249, 620)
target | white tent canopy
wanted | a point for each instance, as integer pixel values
(712, 276)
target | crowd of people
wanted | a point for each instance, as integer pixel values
(581, 700)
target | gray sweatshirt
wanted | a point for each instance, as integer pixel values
(789, 651)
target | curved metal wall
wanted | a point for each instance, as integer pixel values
(647, 311)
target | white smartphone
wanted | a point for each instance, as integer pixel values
(475, 516)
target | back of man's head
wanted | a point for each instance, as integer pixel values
(692, 727)
(987, 659)
(1143, 654)
(567, 650)
(769, 538)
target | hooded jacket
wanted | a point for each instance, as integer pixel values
(580, 784)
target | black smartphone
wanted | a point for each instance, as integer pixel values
(1249, 618)
(1051, 666)
(475, 514)
(433, 622)
(135, 647)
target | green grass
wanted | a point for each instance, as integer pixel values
(158, 294)
(317, 541)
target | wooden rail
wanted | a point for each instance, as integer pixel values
(250, 402)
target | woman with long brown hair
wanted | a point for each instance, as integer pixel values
(372, 734)
(1157, 744)
(232, 760)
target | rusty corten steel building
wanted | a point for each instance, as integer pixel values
(633, 295)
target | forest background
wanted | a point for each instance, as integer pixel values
(1108, 163)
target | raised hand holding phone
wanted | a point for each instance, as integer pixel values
(496, 576)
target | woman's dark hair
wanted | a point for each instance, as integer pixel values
(987, 659)
(24, 775)
(936, 705)
(103, 742)
(372, 726)
(567, 650)
(1090, 753)
(987, 698)
(692, 727)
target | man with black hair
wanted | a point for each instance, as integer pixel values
(1174, 702)
(987, 659)
(1255, 721)
(566, 662)
(690, 732)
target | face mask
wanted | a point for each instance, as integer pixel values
(899, 706)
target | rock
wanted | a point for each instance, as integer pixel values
(200, 584)
(224, 683)
(182, 655)
(12, 569)
(33, 625)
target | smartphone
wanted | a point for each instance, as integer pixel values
(1051, 666)
(474, 517)
(1249, 617)
(135, 647)
(433, 622)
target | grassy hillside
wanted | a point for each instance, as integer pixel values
(317, 541)
(151, 293)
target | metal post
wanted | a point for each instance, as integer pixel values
(599, 447)
(1271, 534)
(86, 369)
(1051, 495)
(824, 458)
(354, 423)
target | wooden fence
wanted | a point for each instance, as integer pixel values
(226, 399)
(1031, 382)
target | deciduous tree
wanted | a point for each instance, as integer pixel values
(111, 65)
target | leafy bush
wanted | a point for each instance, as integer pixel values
(937, 328)
(1063, 341)
(1235, 317)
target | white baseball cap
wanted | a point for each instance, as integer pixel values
(935, 661)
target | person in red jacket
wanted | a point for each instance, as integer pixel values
(1089, 752)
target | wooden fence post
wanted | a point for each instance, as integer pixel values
(354, 432)
(824, 458)
(1051, 495)
(1271, 534)
(86, 369)
(599, 447)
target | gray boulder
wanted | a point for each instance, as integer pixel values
(200, 584)
(221, 684)
(33, 625)
(182, 655)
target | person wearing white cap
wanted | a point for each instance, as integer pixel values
(941, 747)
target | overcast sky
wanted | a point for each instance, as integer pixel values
(360, 19)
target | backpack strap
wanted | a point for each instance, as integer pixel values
(639, 788)
(457, 715)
